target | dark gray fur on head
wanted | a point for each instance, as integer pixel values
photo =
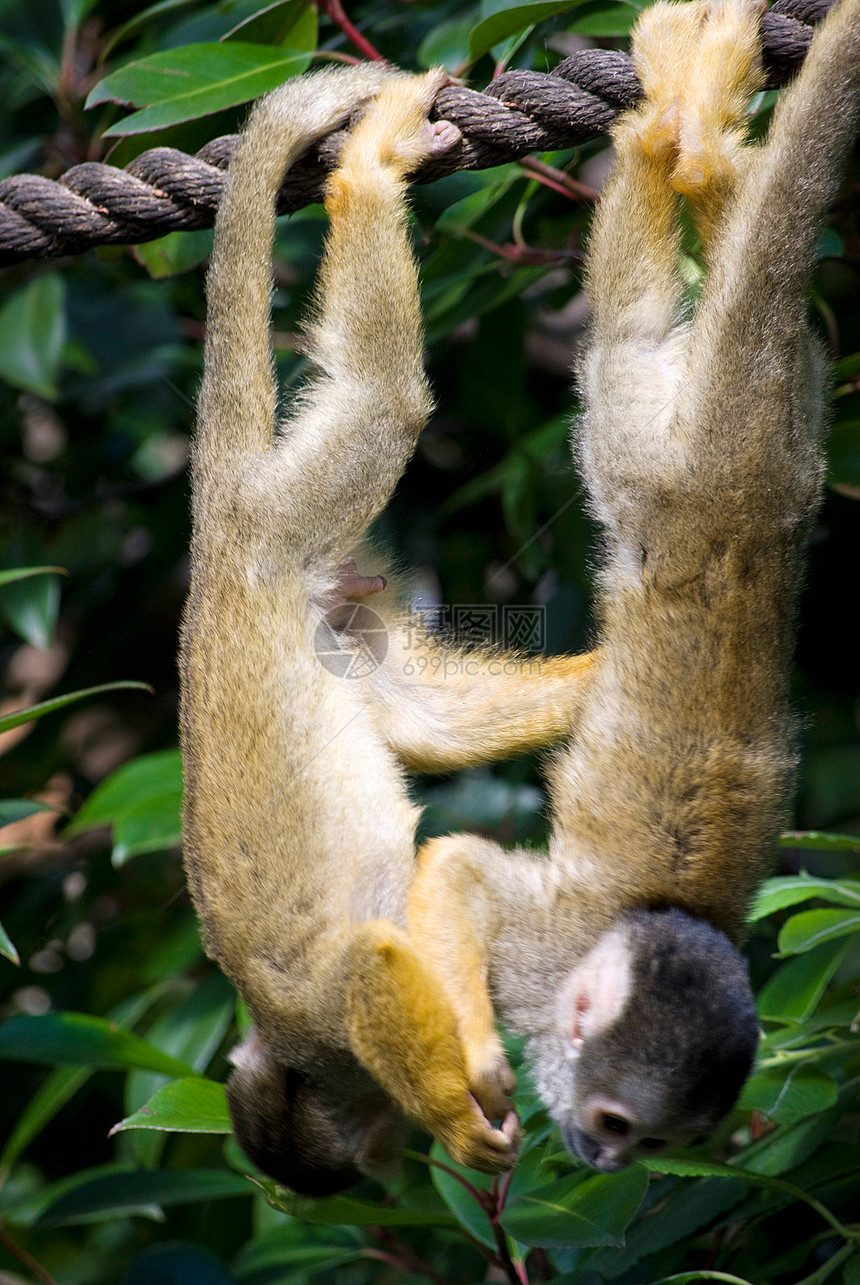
(310, 1132)
(686, 1039)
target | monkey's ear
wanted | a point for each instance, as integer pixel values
(597, 989)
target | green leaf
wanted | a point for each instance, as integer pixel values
(31, 607)
(786, 1148)
(195, 80)
(460, 1199)
(191, 1028)
(345, 1211)
(499, 26)
(24, 573)
(847, 366)
(776, 894)
(114, 1195)
(60, 702)
(574, 1213)
(150, 776)
(851, 1269)
(12, 810)
(32, 334)
(820, 841)
(266, 1254)
(690, 1167)
(75, 1039)
(675, 1211)
(192, 1105)
(149, 825)
(141, 19)
(175, 253)
(7, 947)
(704, 1275)
(74, 11)
(789, 1093)
(447, 45)
(794, 991)
(605, 20)
(843, 455)
(272, 25)
(812, 927)
(466, 212)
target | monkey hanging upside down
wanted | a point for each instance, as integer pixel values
(700, 445)
(298, 829)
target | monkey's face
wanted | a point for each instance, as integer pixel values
(317, 1131)
(659, 1032)
(610, 1133)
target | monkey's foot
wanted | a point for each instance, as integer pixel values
(395, 131)
(726, 73)
(663, 49)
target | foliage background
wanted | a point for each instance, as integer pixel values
(100, 359)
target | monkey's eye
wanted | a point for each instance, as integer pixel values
(651, 1144)
(614, 1123)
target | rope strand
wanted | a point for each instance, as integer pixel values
(164, 190)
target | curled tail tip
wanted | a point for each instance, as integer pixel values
(321, 100)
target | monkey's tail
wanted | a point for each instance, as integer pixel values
(238, 396)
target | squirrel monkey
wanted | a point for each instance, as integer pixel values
(700, 446)
(299, 833)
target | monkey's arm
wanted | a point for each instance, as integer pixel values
(369, 983)
(404, 1030)
(441, 708)
(456, 907)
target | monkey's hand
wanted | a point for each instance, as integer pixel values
(492, 1082)
(663, 47)
(350, 584)
(472, 1141)
(728, 72)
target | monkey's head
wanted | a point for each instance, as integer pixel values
(658, 1032)
(316, 1131)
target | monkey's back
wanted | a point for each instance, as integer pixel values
(296, 818)
(683, 761)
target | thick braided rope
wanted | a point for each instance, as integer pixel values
(164, 190)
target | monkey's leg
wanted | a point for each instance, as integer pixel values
(722, 79)
(633, 253)
(403, 1029)
(453, 907)
(345, 447)
(441, 708)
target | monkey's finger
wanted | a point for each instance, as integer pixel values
(511, 1127)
